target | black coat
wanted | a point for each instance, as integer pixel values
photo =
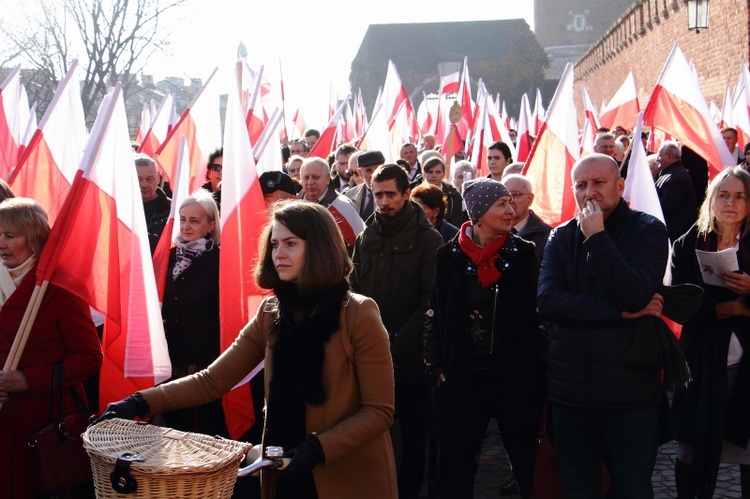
(191, 310)
(584, 286)
(677, 197)
(537, 232)
(705, 341)
(448, 346)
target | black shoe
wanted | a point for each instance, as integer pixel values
(509, 488)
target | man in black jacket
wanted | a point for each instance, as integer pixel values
(675, 189)
(600, 271)
(156, 204)
(394, 263)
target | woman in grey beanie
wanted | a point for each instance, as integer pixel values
(482, 345)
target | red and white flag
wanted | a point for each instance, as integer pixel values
(555, 152)
(727, 118)
(394, 95)
(326, 143)
(99, 251)
(677, 107)
(715, 112)
(424, 116)
(587, 139)
(742, 116)
(539, 113)
(201, 127)
(299, 124)
(466, 103)
(623, 109)
(523, 134)
(10, 121)
(49, 163)
(589, 111)
(640, 190)
(145, 123)
(171, 229)
(161, 123)
(256, 117)
(243, 216)
(360, 114)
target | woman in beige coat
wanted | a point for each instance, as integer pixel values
(328, 376)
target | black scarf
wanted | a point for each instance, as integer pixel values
(303, 326)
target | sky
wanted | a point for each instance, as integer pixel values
(311, 43)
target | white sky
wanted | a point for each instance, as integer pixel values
(315, 41)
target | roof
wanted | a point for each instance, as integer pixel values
(426, 44)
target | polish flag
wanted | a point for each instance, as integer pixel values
(299, 124)
(394, 96)
(466, 103)
(243, 216)
(256, 118)
(377, 137)
(727, 118)
(48, 164)
(326, 143)
(350, 125)
(424, 116)
(589, 111)
(99, 251)
(623, 108)
(677, 107)
(200, 125)
(449, 85)
(171, 229)
(555, 152)
(161, 123)
(360, 114)
(539, 113)
(10, 121)
(145, 123)
(523, 134)
(741, 116)
(715, 112)
(587, 139)
(506, 117)
(640, 190)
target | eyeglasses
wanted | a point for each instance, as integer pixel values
(516, 194)
(215, 167)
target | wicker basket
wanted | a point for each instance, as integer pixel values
(175, 464)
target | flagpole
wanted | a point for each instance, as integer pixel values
(24, 329)
(283, 107)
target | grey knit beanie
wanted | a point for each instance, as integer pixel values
(481, 193)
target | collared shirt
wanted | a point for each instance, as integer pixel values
(520, 225)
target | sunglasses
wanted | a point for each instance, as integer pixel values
(215, 167)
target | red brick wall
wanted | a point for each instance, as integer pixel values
(645, 34)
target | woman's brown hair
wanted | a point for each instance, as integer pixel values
(326, 259)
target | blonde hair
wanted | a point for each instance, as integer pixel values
(27, 217)
(706, 218)
(206, 200)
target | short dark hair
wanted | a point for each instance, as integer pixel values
(326, 259)
(218, 153)
(432, 196)
(299, 141)
(312, 132)
(432, 163)
(345, 150)
(383, 173)
(503, 148)
(729, 129)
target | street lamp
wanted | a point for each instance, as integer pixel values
(697, 15)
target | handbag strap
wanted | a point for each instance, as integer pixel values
(58, 388)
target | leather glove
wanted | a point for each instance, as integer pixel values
(127, 408)
(304, 457)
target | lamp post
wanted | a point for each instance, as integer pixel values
(697, 15)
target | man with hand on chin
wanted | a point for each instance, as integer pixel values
(600, 271)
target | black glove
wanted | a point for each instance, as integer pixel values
(127, 408)
(304, 457)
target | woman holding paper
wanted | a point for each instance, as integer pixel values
(711, 417)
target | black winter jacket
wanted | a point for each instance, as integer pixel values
(584, 286)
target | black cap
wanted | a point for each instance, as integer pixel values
(370, 158)
(273, 181)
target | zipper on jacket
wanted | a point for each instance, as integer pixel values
(494, 314)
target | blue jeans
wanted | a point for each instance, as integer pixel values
(625, 439)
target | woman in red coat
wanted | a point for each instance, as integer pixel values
(63, 332)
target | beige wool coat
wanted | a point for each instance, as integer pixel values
(352, 424)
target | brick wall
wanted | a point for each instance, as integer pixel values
(641, 39)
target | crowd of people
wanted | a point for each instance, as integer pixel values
(410, 303)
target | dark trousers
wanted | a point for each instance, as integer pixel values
(459, 459)
(414, 414)
(625, 439)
